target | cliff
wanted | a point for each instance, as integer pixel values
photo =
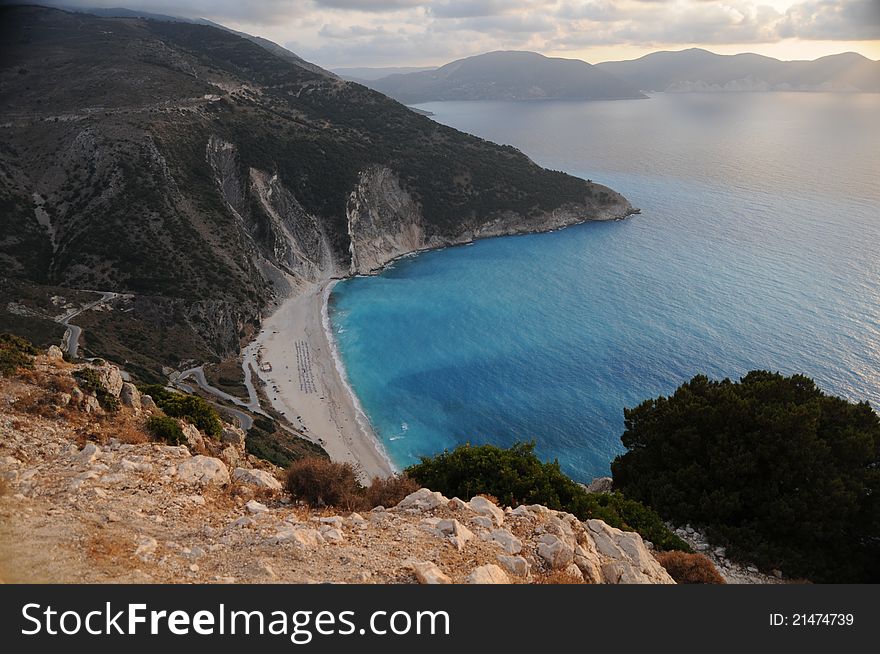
(87, 496)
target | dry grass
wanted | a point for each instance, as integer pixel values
(558, 578)
(388, 491)
(4, 487)
(131, 432)
(689, 568)
(105, 549)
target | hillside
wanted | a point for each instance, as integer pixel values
(196, 173)
(700, 70)
(87, 496)
(507, 76)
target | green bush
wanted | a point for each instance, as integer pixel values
(192, 408)
(15, 353)
(773, 469)
(517, 476)
(165, 429)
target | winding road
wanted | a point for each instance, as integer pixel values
(71, 336)
(252, 404)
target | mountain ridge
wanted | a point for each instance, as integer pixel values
(701, 70)
(506, 75)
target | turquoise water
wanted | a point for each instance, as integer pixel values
(757, 247)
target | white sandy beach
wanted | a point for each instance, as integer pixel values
(306, 386)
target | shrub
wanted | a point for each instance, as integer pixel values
(320, 482)
(166, 429)
(689, 568)
(15, 353)
(516, 476)
(192, 408)
(773, 469)
(388, 491)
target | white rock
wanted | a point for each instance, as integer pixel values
(88, 453)
(486, 508)
(601, 485)
(522, 511)
(194, 439)
(516, 565)
(256, 507)
(422, 500)
(203, 470)
(333, 521)
(555, 551)
(231, 456)
(233, 435)
(254, 477)
(510, 543)
(428, 573)
(458, 534)
(483, 521)
(332, 534)
(54, 353)
(300, 536)
(145, 545)
(130, 396)
(487, 574)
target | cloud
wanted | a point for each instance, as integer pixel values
(260, 12)
(851, 20)
(364, 32)
(370, 5)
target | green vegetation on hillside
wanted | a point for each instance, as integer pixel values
(517, 476)
(192, 408)
(779, 473)
(15, 353)
(165, 429)
(89, 380)
(268, 441)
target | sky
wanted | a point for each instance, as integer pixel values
(337, 33)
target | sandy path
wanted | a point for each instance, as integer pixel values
(305, 385)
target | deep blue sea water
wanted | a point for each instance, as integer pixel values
(758, 246)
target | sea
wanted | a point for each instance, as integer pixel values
(757, 247)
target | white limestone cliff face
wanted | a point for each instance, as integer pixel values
(385, 222)
(297, 239)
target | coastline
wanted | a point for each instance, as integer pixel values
(307, 383)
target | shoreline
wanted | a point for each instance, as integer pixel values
(307, 382)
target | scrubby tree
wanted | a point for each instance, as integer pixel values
(780, 473)
(517, 476)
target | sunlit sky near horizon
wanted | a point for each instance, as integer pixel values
(335, 33)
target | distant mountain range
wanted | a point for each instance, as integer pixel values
(529, 76)
(507, 76)
(701, 70)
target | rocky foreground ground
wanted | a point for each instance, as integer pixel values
(87, 497)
